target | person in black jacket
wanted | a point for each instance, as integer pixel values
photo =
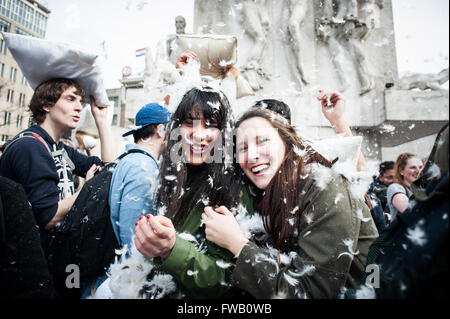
(23, 268)
(411, 255)
(42, 164)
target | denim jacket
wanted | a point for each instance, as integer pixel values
(133, 183)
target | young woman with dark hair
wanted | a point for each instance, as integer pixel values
(195, 172)
(317, 234)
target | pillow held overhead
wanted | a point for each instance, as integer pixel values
(41, 60)
(215, 53)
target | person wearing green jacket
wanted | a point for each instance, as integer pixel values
(196, 171)
(317, 232)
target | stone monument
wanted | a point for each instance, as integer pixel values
(290, 49)
(180, 26)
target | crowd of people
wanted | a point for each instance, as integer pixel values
(228, 209)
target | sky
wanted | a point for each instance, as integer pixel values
(120, 27)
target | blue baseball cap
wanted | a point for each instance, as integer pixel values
(151, 113)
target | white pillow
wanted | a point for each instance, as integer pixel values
(347, 149)
(215, 53)
(42, 60)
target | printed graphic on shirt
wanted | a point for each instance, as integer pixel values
(65, 185)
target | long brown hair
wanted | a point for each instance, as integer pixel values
(400, 164)
(282, 195)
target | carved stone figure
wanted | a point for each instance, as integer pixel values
(297, 10)
(180, 25)
(349, 24)
(351, 41)
(212, 15)
(255, 21)
(327, 31)
(423, 81)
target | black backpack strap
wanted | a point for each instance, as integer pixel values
(113, 164)
(133, 151)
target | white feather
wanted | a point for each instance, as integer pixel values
(128, 277)
(290, 280)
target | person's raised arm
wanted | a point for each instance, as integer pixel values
(100, 115)
(184, 58)
(333, 108)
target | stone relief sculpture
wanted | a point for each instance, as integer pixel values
(424, 81)
(370, 16)
(213, 15)
(350, 22)
(326, 31)
(297, 10)
(256, 25)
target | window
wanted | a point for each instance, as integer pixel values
(2, 67)
(21, 99)
(114, 100)
(22, 32)
(9, 97)
(4, 138)
(12, 74)
(4, 25)
(7, 118)
(24, 14)
(19, 121)
(2, 46)
(24, 80)
(114, 119)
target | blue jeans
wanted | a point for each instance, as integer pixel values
(87, 287)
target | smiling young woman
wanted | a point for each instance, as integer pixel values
(407, 170)
(317, 237)
(193, 173)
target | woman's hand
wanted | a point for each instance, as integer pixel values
(333, 106)
(223, 229)
(155, 236)
(183, 59)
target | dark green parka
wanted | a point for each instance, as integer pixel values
(335, 232)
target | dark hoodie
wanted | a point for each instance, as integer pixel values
(46, 178)
(412, 253)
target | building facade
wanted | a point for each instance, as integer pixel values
(127, 100)
(25, 17)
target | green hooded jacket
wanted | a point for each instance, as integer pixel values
(201, 268)
(335, 232)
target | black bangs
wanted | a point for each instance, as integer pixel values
(213, 104)
(223, 190)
